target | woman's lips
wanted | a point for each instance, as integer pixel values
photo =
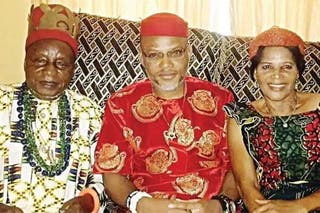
(277, 86)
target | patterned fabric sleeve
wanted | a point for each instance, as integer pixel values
(113, 151)
(234, 110)
(229, 99)
(95, 180)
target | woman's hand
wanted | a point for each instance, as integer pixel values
(279, 206)
(9, 209)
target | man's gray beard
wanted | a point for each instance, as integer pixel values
(168, 88)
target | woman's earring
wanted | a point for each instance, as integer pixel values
(255, 82)
(296, 86)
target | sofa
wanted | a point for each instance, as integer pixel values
(108, 59)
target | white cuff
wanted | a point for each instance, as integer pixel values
(133, 199)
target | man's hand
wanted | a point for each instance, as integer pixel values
(80, 204)
(146, 205)
(9, 209)
(203, 206)
(279, 206)
(157, 205)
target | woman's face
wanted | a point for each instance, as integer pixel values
(276, 73)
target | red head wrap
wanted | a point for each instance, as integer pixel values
(53, 22)
(275, 36)
(164, 24)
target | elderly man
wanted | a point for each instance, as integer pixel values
(48, 133)
(162, 146)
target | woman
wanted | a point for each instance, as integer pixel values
(274, 141)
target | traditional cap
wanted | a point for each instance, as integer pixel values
(276, 36)
(164, 24)
(53, 22)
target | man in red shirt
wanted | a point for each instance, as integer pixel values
(162, 146)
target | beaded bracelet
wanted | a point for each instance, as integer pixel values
(94, 195)
(227, 204)
(133, 199)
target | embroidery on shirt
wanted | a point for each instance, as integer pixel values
(134, 141)
(191, 184)
(206, 144)
(138, 182)
(184, 132)
(109, 158)
(162, 195)
(147, 109)
(160, 160)
(203, 103)
(181, 129)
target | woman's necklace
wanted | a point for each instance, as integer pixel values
(270, 111)
(285, 122)
(27, 116)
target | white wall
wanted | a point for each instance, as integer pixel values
(13, 22)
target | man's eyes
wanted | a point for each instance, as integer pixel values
(287, 67)
(266, 67)
(176, 53)
(154, 55)
(40, 62)
(60, 64)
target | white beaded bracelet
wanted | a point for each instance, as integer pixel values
(133, 199)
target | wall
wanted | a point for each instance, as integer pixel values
(13, 22)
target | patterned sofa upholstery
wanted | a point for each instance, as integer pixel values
(108, 59)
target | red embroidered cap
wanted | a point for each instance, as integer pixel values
(276, 36)
(53, 22)
(164, 24)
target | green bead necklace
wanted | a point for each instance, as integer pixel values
(30, 147)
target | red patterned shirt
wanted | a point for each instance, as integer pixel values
(169, 148)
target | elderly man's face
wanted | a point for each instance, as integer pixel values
(49, 67)
(165, 59)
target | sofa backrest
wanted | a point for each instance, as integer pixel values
(108, 59)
